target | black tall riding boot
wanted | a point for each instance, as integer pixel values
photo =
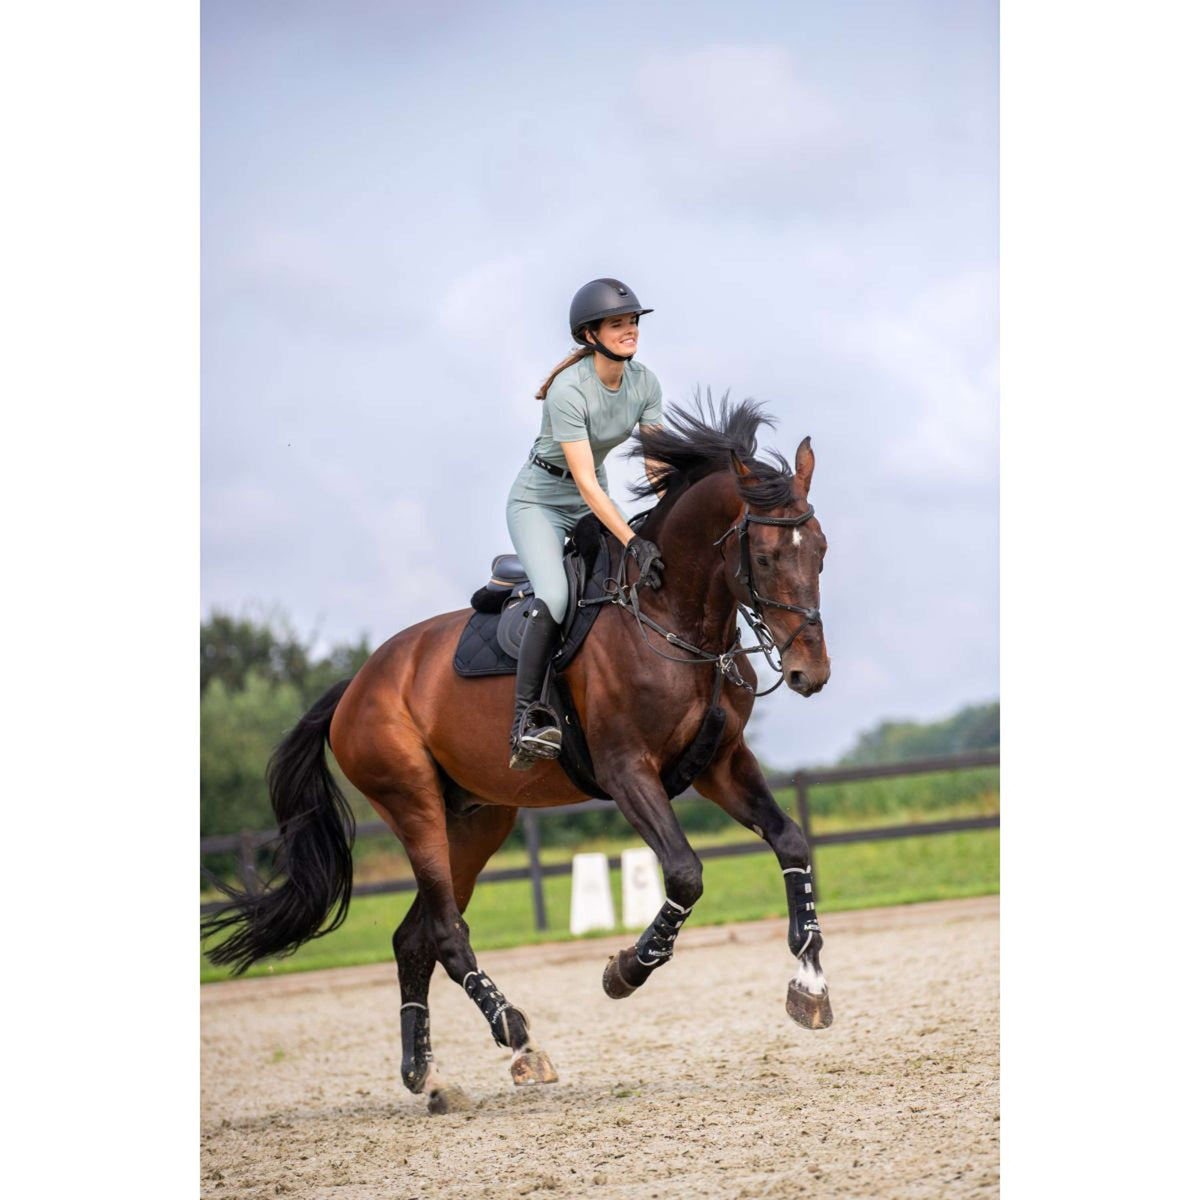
(535, 733)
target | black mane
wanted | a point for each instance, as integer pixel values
(693, 444)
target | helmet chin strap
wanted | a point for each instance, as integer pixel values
(596, 345)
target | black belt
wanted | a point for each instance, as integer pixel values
(539, 461)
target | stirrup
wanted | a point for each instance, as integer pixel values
(542, 743)
(528, 752)
(536, 738)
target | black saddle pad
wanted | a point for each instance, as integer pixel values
(586, 560)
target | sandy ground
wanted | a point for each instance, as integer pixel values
(698, 1086)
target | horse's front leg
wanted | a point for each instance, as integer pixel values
(735, 782)
(640, 796)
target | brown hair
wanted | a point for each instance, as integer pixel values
(571, 359)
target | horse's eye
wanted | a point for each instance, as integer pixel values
(761, 559)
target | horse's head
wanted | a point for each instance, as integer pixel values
(773, 564)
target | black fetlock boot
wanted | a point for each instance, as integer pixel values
(535, 732)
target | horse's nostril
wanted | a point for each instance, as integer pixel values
(797, 681)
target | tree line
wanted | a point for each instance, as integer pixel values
(975, 727)
(257, 678)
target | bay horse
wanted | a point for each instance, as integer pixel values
(429, 749)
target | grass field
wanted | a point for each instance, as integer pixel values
(859, 875)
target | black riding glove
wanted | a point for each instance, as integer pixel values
(649, 560)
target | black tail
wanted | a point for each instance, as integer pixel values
(313, 867)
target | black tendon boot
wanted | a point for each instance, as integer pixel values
(535, 732)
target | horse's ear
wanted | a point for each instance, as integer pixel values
(739, 468)
(804, 467)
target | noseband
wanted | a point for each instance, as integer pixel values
(745, 576)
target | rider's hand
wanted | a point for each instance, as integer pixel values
(649, 560)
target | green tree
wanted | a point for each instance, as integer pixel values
(231, 648)
(238, 730)
(234, 648)
(256, 680)
(342, 662)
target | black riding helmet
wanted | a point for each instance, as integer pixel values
(599, 299)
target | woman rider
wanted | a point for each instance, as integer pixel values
(593, 400)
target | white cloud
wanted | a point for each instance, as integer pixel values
(739, 128)
(939, 361)
(312, 282)
(746, 104)
(493, 289)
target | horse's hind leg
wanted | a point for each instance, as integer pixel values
(474, 837)
(415, 960)
(447, 853)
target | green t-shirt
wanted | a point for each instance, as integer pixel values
(578, 407)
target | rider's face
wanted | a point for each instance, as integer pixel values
(619, 334)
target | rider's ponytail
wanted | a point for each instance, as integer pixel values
(571, 359)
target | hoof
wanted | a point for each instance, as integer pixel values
(448, 1099)
(808, 1010)
(615, 986)
(415, 1078)
(532, 1066)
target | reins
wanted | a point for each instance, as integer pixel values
(625, 595)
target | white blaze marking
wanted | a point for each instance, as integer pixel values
(796, 537)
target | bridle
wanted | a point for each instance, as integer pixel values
(624, 595)
(745, 576)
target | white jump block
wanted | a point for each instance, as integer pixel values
(641, 887)
(591, 898)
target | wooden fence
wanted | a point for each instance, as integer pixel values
(247, 843)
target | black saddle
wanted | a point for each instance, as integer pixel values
(491, 639)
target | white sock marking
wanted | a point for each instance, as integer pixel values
(810, 978)
(433, 1081)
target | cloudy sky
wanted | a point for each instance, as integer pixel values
(399, 200)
